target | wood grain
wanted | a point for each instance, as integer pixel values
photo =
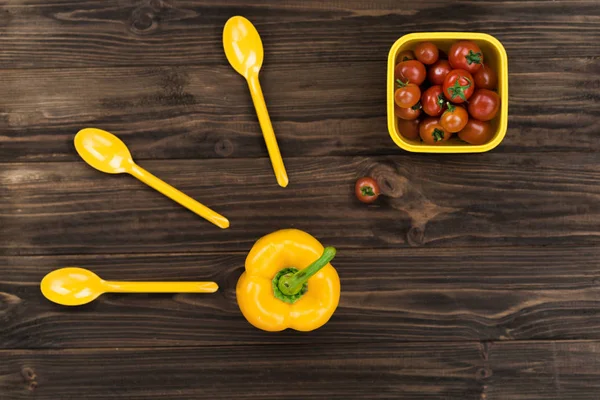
(167, 32)
(388, 295)
(461, 371)
(482, 200)
(320, 109)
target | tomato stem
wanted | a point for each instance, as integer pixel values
(401, 84)
(459, 90)
(437, 135)
(367, 191)
(473, 58)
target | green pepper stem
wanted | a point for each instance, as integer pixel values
(292, 283)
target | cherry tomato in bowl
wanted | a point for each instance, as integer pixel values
(427, 53)
(411, 71)
(366, 190)
(454, 118)
(433, 101)
(432, 132)
(486, 77)
(458, 86)
(407, 94)
(409, 113)
(409, 129)
(484, 104)
(466, 55)
(406, 55)
(476, 132)
(438, 72)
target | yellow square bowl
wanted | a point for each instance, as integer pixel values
(493, 55)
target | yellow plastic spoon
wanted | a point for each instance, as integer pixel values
(244, 51)
(77, 286)
(107, 153)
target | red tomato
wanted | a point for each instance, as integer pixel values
(427, 52)
(484, 104)
(432, 132)
(432, 101)
(465, 55)
(476, 132)
(366, 190)
(409, 113)
(438, 72)
(458, 86)
(454, 118)
(486, 77)
(407, 94)
(409, 129)
(405, 56)
(411, 71)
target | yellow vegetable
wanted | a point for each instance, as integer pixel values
(288, 283)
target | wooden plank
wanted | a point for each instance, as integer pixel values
(166, 32)
(459, 370)
(399, 295)
(317, 110)
(257, 372)
(475, 200)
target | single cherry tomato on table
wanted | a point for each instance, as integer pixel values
(411, 71)
(476, 132)
(484, 104)
(406, 55)
(407, 94)
(438, 72)
(409, 113)
(433, 101)
(486, 78)
(366, 190)
(454, 118)
(427, 52)
(458, 86)
(465, 55)
(432, 132)
(409, 129)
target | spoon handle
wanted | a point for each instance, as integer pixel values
(267, 129)
(178, 196)
(161, 287)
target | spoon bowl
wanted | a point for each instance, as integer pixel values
(72, 286)
(103, 150)
(243, 46)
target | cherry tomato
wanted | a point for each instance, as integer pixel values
(484, 104)
(406, 55)
(433, 101)
(409, 129)
(438, 72)
(427, 52)
(366, 190)
(486, 77)
(409, 113)
(432, 132)
(454, 118)
(458, 86)
(465, 55)
(407, 94)
(411, 71)
(476, 132)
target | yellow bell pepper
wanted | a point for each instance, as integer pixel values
(288, 283)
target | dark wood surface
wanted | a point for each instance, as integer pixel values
(475, 277)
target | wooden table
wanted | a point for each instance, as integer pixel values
(475, 277)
